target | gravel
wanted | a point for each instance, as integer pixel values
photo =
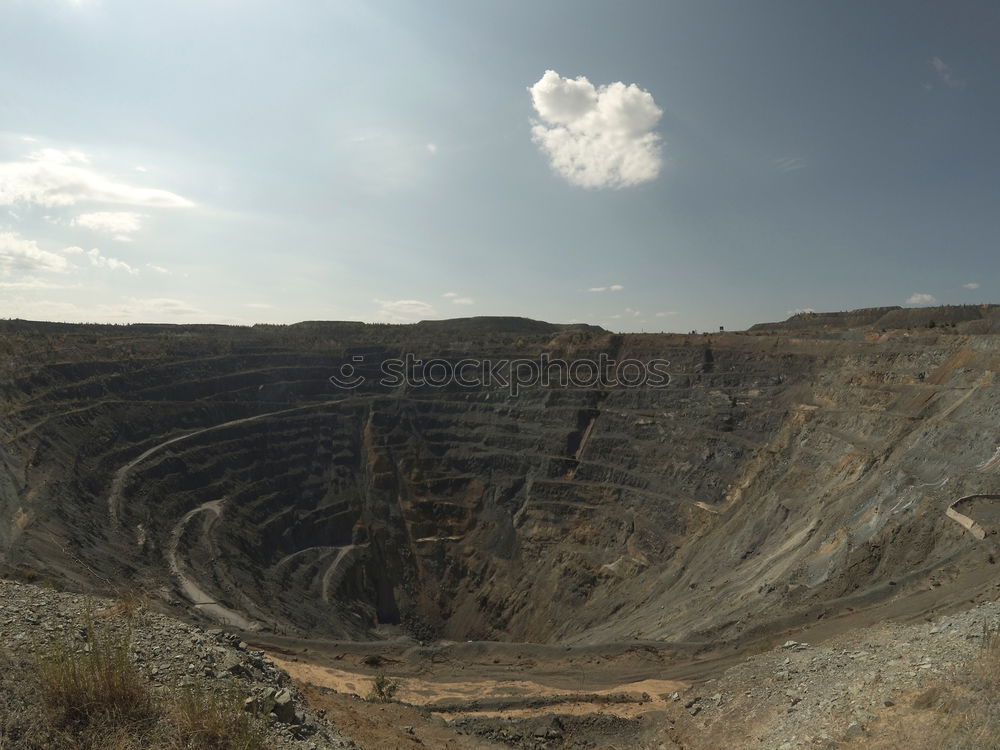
(800, 695)
(170, 653)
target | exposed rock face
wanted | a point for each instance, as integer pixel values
(775, 477)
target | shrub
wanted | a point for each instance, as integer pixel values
(383, 689)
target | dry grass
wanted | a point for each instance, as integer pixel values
(971, 716)
(203, 720)
(91, 696)
(962, 713)
(95, 692)
(130, 603)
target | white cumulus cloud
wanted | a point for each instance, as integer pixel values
(597, 136)
(919, 298)
(611, 288)
(24, 255)
(121, 225)
(50, 177)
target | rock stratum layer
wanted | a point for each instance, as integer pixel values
(785, 474)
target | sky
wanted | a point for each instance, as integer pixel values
(643, 166)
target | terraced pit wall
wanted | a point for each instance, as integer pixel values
(777, 476)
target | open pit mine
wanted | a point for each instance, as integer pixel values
(565, 566)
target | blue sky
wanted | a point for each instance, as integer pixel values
(722, 163)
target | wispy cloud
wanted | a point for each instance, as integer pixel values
(387, 160)
(666, 313)
(31, 283)
(610, 288)
(403, 310)
(121, 225)
(920, 298)
(103, 261)
(130, 309)
(24, 255)
(159, 269)
(597, 136)
(971, 285)
(51, 177)
(150, 309)
(789, 164)
(260, 305)
(945, 74)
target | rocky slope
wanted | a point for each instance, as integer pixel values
(857, 690)
(170, 654)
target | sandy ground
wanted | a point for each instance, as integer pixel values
(414, 721)
(390, 726)
(627, 699)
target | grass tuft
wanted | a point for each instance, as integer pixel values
(961, 713)
(95, 698)
(204, 720)
(95, 690)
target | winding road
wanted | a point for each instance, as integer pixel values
(334, 567)
(198, 597)
(118, 483)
